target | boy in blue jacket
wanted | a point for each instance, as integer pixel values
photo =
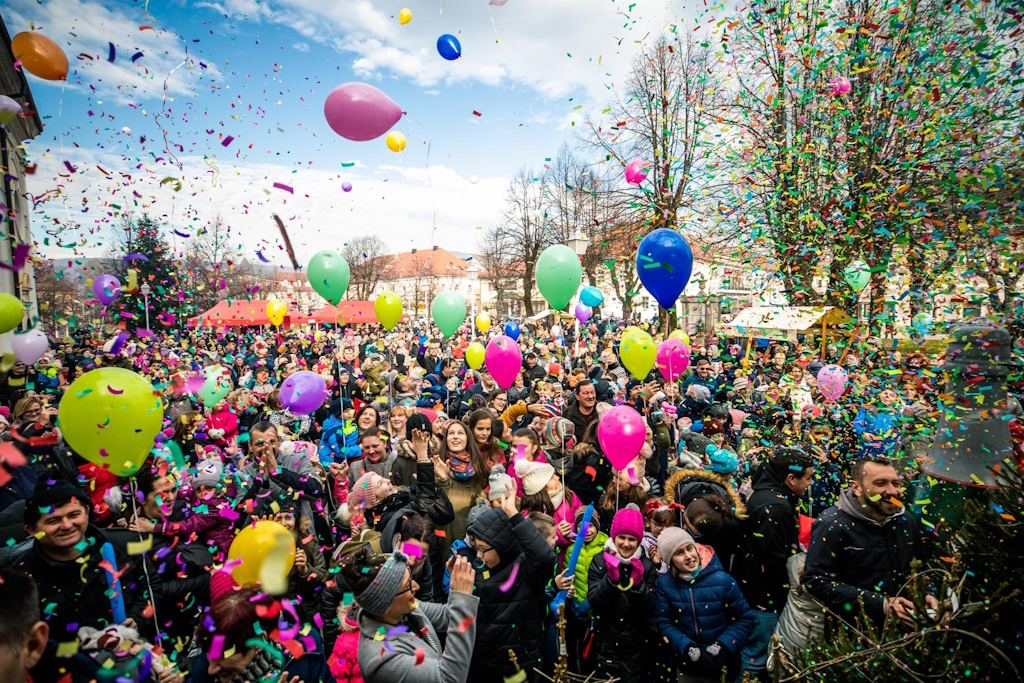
(340, 439)
(700, 610)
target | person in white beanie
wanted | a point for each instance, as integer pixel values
(700, 610)
(543, 491)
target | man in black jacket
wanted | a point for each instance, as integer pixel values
(862, 547)
(64, 560)
(770, 537)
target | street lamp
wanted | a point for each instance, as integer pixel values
(578, 243)
(146, 289)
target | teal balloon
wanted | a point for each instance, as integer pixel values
(328, 275)
(559, 275)
(857, 275)
(591, 296)
(448, 311)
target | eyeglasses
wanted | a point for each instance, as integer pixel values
(407, 589)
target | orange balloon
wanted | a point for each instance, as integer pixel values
(40, 56)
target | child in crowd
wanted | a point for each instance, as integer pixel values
(659, 517)
(544, 492)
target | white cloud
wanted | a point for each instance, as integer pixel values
(396, 202)
(553, 47)
(301, 47)
(84, 27)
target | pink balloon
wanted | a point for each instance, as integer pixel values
(673, 358)
(360, 112)
(582, 312)
(635, 172)
(504, 360)
(29, 346)
(106, 288)
(498, 3)
(840, 86)
(621, 433)
(832, 382)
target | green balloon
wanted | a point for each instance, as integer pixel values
(857, 275)
(448, 311)
(559, 275)
(216, 385)
(328, 275)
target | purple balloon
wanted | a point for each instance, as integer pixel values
(303, 392)
(346, 187)
(360, 112)
(29, 346)
(582, 312)
(106, 288)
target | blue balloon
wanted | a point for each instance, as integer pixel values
(591, 296)
(512, 330)
(449, 47)
(664, 262)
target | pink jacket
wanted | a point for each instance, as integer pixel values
(344, 659)
(566, 512)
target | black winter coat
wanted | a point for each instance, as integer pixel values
(510, 618)
(852, 556)
(770, 535)
(623, 619)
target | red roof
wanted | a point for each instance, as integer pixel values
(439, 262)
(349, 313)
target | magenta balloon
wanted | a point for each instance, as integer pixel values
(303, 392)
(106, 288)
(635, 172)
(583, 312)
(360, 112)
(832, 382)
(621, 433)
(29, 346)
(504, 360)
(673, 358)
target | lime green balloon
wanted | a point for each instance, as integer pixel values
(559, 275)
(448, 311)
(217, 385)
(388, 308)
(475, 355)
(110, 417)
(328, 275)
(637, 351)
(857, 275)
(12, 312)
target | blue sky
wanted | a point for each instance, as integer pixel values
(260, 71)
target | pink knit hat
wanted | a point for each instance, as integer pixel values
(628, 522)
(362, 496)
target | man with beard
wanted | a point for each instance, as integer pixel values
(861, 547)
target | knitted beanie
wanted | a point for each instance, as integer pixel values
(559, 431)
(499, 484)
(378, 596)
(362, 496)
(208, 473)
(595, 520)
(221, 582)
(628, 522)
(535, 475)
(670, 540)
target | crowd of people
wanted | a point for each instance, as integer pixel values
(448, 529)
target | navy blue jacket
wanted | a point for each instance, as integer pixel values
(708, 610)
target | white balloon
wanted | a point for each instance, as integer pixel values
(474, 180)
(126, 130)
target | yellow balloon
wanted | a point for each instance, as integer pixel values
(388, 308)
(637, 351)
(276, 311)
(267, 552)
(483, 322)
(395, 141)
(110, 417)
(405, 16)
(679, 334)
(12, 312)
(475, 355)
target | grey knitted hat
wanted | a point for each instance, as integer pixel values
(379, 595)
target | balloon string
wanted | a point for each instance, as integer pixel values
(133, 485)
(163, 111)
(433, 194)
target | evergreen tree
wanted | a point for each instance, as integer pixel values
(139, 245)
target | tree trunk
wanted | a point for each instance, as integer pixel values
(527, 290)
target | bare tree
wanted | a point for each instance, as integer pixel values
(523, 229)
(500, 268)
(369, 263)
(60, 297)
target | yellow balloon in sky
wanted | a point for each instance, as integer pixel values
(475, 355)
(388, 308)
(395, 141)
(405, 16)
